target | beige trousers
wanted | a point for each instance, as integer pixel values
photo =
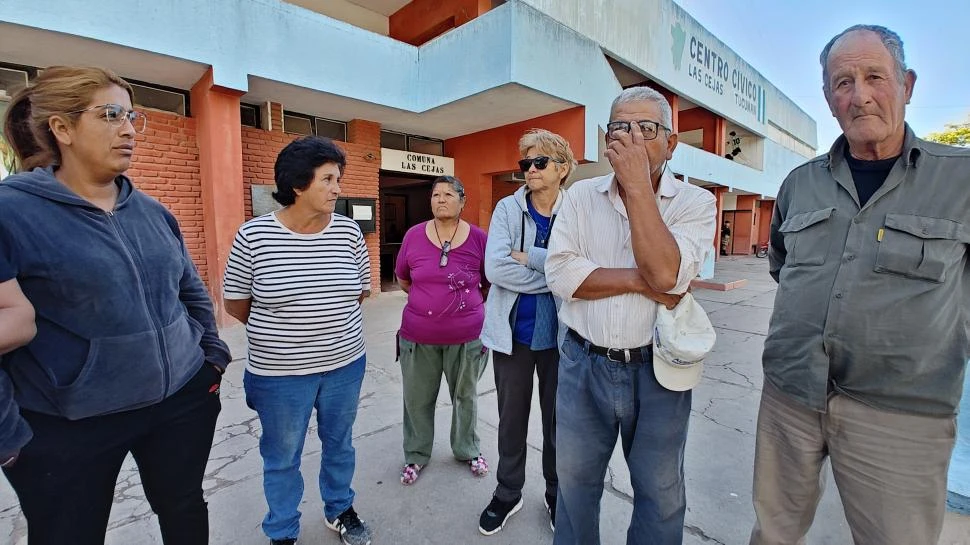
(890, 470)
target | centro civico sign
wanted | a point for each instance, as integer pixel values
(416, 163)
(715, 72)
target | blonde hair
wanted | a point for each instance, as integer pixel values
(551, 144)
(56, 91)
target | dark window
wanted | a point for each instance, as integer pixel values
(419, 144)
(334, 130)
(159, 97)
(297, 123)
(394, 140)
(249, 115)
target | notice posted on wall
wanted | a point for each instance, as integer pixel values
(361, 213)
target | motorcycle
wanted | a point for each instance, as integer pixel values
(762, 249)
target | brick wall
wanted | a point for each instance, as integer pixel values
(166, 166)
(361, 177)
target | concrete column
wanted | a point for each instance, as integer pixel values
(744, 229)
(719, 192)
(219, 130)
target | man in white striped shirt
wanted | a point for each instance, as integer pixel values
(623, 244)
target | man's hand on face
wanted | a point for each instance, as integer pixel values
(627, 153)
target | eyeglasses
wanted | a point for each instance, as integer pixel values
(445, 248)
(116, 115)
(650, 129)
(541, 162)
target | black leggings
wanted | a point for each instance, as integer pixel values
(65, 476)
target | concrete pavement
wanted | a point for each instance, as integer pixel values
(444, 505)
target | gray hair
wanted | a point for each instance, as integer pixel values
(646, 94)
(455, 184)
(891, 40)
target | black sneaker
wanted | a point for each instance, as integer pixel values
(497, 514)
(352, 530)
(551, 508)
(287, 541)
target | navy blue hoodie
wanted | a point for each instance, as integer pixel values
(123, 318)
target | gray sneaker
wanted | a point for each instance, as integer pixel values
(352, 530)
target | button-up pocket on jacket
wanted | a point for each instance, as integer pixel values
(918, 247)
(807, 237)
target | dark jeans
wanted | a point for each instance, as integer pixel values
(65, 477)
(599, 399)
(513, 387)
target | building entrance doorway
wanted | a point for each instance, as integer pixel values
(405, 201)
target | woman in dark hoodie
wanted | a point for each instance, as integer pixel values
(127, 358)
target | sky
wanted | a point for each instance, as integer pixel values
(782, 40)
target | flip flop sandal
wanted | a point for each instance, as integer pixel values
(478, 466)
(410, 473)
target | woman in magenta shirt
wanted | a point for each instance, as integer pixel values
(441, 267)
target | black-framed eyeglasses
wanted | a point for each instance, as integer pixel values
(445, 248)
(650, 129)
(541, 162)
(115, 115)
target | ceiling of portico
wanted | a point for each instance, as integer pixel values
(495, 107)
(40, 48)
(384, 7)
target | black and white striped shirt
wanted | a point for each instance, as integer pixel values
(305, 288)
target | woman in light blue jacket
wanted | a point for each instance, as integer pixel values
(521, 325)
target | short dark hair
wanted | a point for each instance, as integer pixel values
(298, 161)
(455, 184)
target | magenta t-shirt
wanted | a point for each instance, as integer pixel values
(445, 304)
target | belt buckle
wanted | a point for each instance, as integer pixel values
(624, 351)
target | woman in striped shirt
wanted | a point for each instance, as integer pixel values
(296, 278)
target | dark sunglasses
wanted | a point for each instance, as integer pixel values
(445, 248)
(541, 162)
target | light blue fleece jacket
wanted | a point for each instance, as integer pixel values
(508, 277)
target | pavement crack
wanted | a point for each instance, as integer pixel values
(613, 490)
(710, 405)
(375, 432)
(730, 367)
(696, 531)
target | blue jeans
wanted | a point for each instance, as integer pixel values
(596, 398)
(284, 405)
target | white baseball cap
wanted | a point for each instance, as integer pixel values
(682, 338)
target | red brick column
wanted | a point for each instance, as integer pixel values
(362, 179)
(219, 127)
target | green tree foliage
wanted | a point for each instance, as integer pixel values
(955, 134)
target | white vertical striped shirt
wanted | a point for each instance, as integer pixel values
(305, 288)
(592, 231)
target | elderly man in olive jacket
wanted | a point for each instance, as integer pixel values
(868, 342)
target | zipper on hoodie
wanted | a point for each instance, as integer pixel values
(144, 293)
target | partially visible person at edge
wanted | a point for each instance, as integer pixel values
(17, 328)
(622, 244)
(127, 358)
(521, 323)
(296, 277)
(868, 342)
(441, 266)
